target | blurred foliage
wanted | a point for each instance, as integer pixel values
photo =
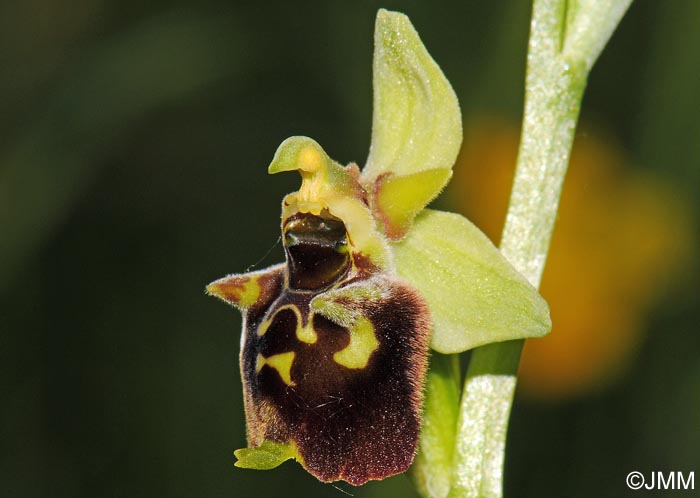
(133, 151)
(622, 241)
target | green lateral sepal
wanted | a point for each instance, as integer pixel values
(416, 127)
(475, 295)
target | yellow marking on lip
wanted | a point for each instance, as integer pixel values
(307, 333)
(267, 322)
(304, 333)
(363, 342)
(282, 363)
(263, 327)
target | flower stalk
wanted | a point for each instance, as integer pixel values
(566, 38)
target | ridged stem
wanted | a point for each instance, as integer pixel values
(566, 38)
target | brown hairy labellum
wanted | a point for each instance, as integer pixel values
(333, 356)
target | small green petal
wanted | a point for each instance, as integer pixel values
(475, 295)
(417, 123)
(266, 456)
(398, 199)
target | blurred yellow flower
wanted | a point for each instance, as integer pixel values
(621, 236)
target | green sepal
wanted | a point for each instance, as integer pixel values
(266, 456)
(475, 295)
(416, 123)
(432, 468)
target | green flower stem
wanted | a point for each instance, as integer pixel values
(483, 420)
(432, 467)
(566, 38)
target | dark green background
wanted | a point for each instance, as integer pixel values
(134, 142)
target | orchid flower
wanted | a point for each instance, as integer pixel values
(335, 341)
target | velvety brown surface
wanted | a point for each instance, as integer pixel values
(352, 424)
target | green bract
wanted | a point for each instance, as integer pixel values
(475, 296)
(335, 340)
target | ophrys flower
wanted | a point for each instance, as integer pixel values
(335, 340)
